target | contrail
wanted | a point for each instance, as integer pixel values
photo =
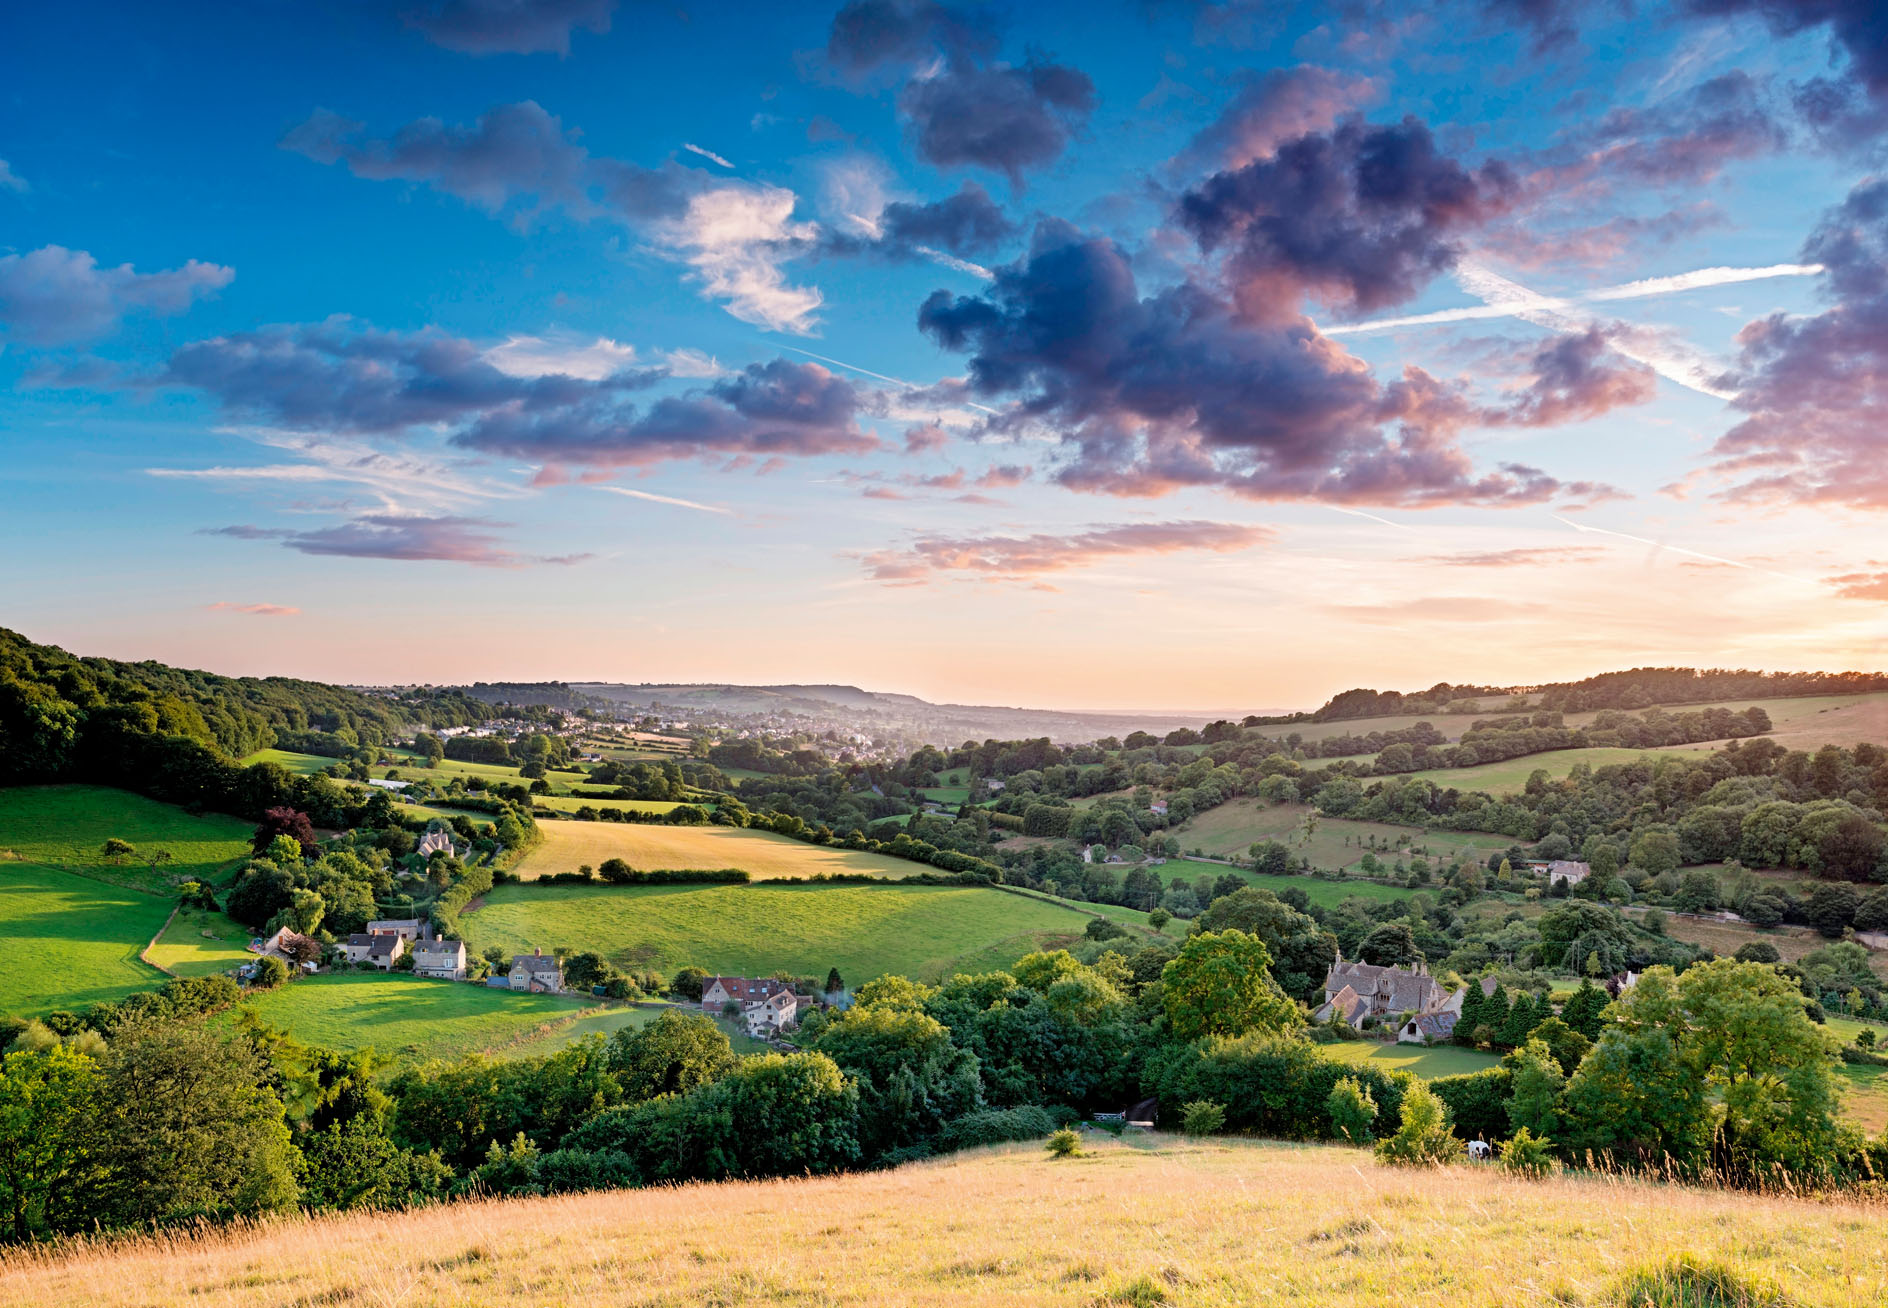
(662, 499)
(1359, 513)
(879, 376)
(692, 148)
(1679, 549)
(1643, 289)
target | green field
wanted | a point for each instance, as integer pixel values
(864, 931)
(647, 847)
(65, 827)
(1231, 829)
(1428, 1062)
(197, 943)
(412, 1017)
(300, 764)
(67, 941)
(1326, 894)
(1512, 774)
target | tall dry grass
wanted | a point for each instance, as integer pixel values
(1155, 1221)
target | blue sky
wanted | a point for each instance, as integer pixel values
(1022, 354)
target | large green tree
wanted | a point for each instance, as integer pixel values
(1221, 984)
(1301, 950)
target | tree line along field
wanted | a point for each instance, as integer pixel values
(647, 847)
(419, 1018)
(924, 932)
(1132, 1223)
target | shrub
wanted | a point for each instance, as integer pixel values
(1066, 1143)
(1353, 1111)
(1688, 1282)
(1203, 1117)
(1527, 1154)
(996, 1126)
(1425, 1139)
(270, 973)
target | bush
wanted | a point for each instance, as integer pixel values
(270, 973)
(996, 1126)
(1353, 1111)
(1688, 1282)
(1527, 1154)
(1425, 1139)
(1066, 1143)
(1203, 1117)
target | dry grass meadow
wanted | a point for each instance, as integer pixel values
(648, 847)
(1154, 1221)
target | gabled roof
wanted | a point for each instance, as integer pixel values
(746, 989)
(539, 963)
(451, 948)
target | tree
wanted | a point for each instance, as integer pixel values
(1425, 1137)
(688, 983)
(1353, 1111)
(674, 1054)
(1300, 949)
(1535, 1082)
(1159, 918)
(1221, 984)
(1470, 1018)
(587, 969)
(284, 821)
(1758, 951)
(1522, 1018)
(116, 851)
(616, 871)
(1391, 945)
(185, 1123)
(1852, 849)
(1203, 1117)
(835, 984)
(47, 1098)
(1832, 908)
(1655, 850)
(910, 1075)
(270, 972)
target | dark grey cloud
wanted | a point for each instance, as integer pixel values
(1276, 106)
(1360, 218)
(482, 27)
(962, 106)
(966, 224)
(1150, 394)
(1576, 377)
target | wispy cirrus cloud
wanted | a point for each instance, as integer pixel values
(255, 610)
(707, 154)
(406, 538)
(1518, 558)
(1013, 558)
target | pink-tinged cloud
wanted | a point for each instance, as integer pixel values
(1009, 558)
(404, 538)
(56, 296)
(1278, 106)
(1576, 378)
(258, 610)
(1518, 558)
(1815, 389)
(1861, 585)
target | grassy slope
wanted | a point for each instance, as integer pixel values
(1329, 894)
(864, 931)
(1441, 1060)
(410, 1017)
(1233, 827)
(67, 941)
(299, 764)
(1512, 774)
(197, 943)
(64, 827)
(760, 853)
(1142, 1221)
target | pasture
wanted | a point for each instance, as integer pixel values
(926, 932)
(413, 1018)
(1143, 1220)
(66, 826)
(1325, 894)
(1428, 1062)
(571, 803)
(301, 765)
(1231, 829)
(199, 943)
(761, 854)
(67, 941)
(1512, 774)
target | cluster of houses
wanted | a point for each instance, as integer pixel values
(767, 1006)
(1356, 993)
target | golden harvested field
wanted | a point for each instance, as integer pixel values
(1147, 1222)
(648, 848)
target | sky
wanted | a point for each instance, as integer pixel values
(1159, 354)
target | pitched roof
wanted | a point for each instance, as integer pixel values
(537, 963)
(452, 948)
(746, 989)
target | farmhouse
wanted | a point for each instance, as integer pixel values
(435, 842)
(766, 1005)
(1563, 870)
(290, 946)
(539, 973)
(440, 958)
(380, 948)
(1357, 992)
(407, 928)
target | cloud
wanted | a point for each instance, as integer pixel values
(406, 538)
(1861, 585)
(313, 381)
(1009, 558)
(259, 610)
(1360, 218)
(653, 498)
(966, 223)
(12, 181)
(1814, 390)
(56, 296)
(709, 155)
(962, 107)
(1550, 24)
(1517, 558)
(561, 356)
(1277, 106)
(482, 27)
(1439, 608)
(1152, 394)
(736, 239)
(1683, 140)
(1577, 378)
